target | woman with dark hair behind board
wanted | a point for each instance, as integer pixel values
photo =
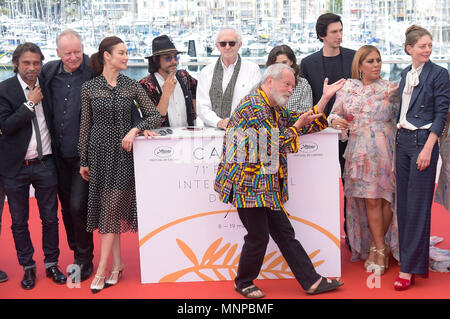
(301, 98)
(424, 92)
(105, 147)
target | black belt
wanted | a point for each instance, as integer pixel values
(36, 160)
(402, 129)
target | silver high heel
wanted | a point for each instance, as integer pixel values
(97, 284)
(113, 278)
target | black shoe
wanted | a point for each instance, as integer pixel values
(85, 271)
(56, 274)
(29, 279)
(3, 276)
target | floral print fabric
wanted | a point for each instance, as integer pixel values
(372, 111)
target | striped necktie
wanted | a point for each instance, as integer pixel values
(38, 134)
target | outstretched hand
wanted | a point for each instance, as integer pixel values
(330, 89)
(306, 118)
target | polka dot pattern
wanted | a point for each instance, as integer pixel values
(105, 120)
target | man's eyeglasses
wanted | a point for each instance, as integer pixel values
(223, 44)
(169, 58)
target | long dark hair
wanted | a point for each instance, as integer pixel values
(286, 50)
(96, 60)
(154, 63)
(21, 49)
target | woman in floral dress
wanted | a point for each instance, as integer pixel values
(366, 109)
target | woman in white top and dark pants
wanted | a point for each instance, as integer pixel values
(425, 94)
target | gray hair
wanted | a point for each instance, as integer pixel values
(238, 34)
(66, 33)
(274, 71)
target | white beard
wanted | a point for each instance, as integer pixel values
(279, 99)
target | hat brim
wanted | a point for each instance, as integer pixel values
(163, 52)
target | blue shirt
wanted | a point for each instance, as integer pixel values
(66, 98)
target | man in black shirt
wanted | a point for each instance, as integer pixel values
(63, 79)
(333, 62)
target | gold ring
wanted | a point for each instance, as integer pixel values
(174, 81)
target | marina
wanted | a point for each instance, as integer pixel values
(193, 25)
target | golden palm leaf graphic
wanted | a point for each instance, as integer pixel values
(272, 264)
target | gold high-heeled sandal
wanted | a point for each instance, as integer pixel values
(368, 264)
(379, 270)
(97, 284)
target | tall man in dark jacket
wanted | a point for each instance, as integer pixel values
(63, 79)
(26, 159)
(333, 62)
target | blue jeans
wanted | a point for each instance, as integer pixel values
(44, 180)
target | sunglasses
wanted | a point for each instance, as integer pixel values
(223, 44)
(169, 58)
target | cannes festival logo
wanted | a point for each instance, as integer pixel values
(308, 147)
(164, 151)
(219, 259)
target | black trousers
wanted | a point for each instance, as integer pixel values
(73, 195)
(260, 223)
(415, 191)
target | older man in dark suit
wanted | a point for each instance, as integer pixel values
(62, 80)
(26, 159)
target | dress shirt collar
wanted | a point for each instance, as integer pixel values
(412, 79)
(23, 84)
(231, 66)
(62, 70)
(159, 77)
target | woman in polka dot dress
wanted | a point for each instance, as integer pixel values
(105, 147)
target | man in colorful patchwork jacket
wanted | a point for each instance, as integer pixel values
(173, 92)
(252, 175)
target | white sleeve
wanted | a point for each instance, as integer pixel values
(204, 108)
(256, 76)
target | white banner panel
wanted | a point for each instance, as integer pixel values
(187, 234)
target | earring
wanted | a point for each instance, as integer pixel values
(360, 75)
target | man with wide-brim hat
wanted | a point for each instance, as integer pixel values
(173, 92)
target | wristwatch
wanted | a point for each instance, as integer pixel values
(30, 105)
